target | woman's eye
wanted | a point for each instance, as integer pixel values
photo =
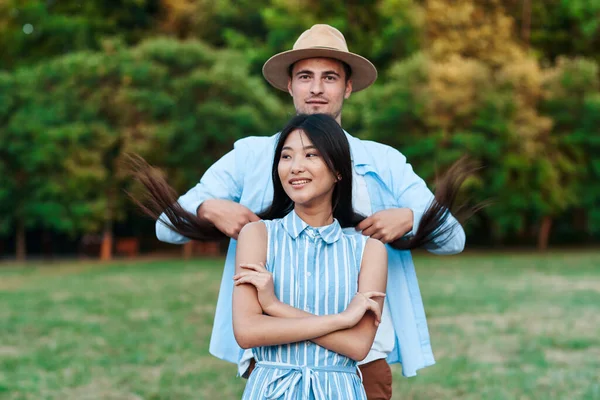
(312, 155)
(284, 156)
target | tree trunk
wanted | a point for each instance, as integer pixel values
(188, 250)
(107, 235)
(107, 243)
(526, 23)
(21, 251)
(544, 233)
(47, 249)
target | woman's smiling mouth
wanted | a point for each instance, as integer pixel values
(298, 183)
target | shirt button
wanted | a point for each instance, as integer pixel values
(308, 274)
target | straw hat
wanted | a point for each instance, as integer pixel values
(319, 41)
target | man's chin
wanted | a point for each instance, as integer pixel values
(318, 110)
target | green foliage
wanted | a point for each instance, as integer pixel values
(421, 117)
(475, 92)
(31, 30)
(380, 30)
(81, 89)
(173, 102)
(39, 187)
(573, 99)
(210, 101)
(560, 27)
(586, 13)
(7, 104)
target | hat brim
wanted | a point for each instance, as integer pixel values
(275, 69)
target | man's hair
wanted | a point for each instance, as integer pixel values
(347, 70)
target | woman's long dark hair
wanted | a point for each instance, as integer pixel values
(331, 142)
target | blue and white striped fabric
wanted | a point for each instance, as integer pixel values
(316, 270)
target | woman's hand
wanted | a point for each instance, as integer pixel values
(258, 276)
(360, 304)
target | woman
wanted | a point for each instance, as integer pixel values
(308, 297)
(308, 338)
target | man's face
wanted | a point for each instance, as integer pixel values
(318, 85)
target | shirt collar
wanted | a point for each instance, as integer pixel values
(294, 226)
(358, 153)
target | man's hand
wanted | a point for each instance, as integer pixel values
(388, 225)
(227, 216)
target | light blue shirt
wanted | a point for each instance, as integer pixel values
(244, 175)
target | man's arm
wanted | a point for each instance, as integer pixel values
(222, 181)
(413, 196)
(412, 192)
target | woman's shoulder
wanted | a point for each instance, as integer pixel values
(263, 227)
(253, 229)
(375, 245)
(375, 250)
(269, 223)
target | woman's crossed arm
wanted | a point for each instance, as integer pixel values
(350, 333)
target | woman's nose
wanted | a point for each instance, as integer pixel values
(297, 166)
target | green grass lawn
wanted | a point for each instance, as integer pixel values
(513, 326)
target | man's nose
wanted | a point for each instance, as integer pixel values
(316, 87)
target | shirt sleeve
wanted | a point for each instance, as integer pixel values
(223, 180)
(412, 192)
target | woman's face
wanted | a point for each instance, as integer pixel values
(304, 175)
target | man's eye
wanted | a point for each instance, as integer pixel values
(330, 78)
(304, 77)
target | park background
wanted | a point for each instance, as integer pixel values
(513, 84)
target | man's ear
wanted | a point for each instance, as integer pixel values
(290, 87)
(348, 89)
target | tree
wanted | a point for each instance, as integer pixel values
(560, 28)
(38, 187)
(31, 30)
(175, 103)
(7, 105)
(474, 90)
(380, 30)
(572, 97)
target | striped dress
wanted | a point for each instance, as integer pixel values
(315, 270)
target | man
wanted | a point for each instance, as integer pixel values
(320, 73)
